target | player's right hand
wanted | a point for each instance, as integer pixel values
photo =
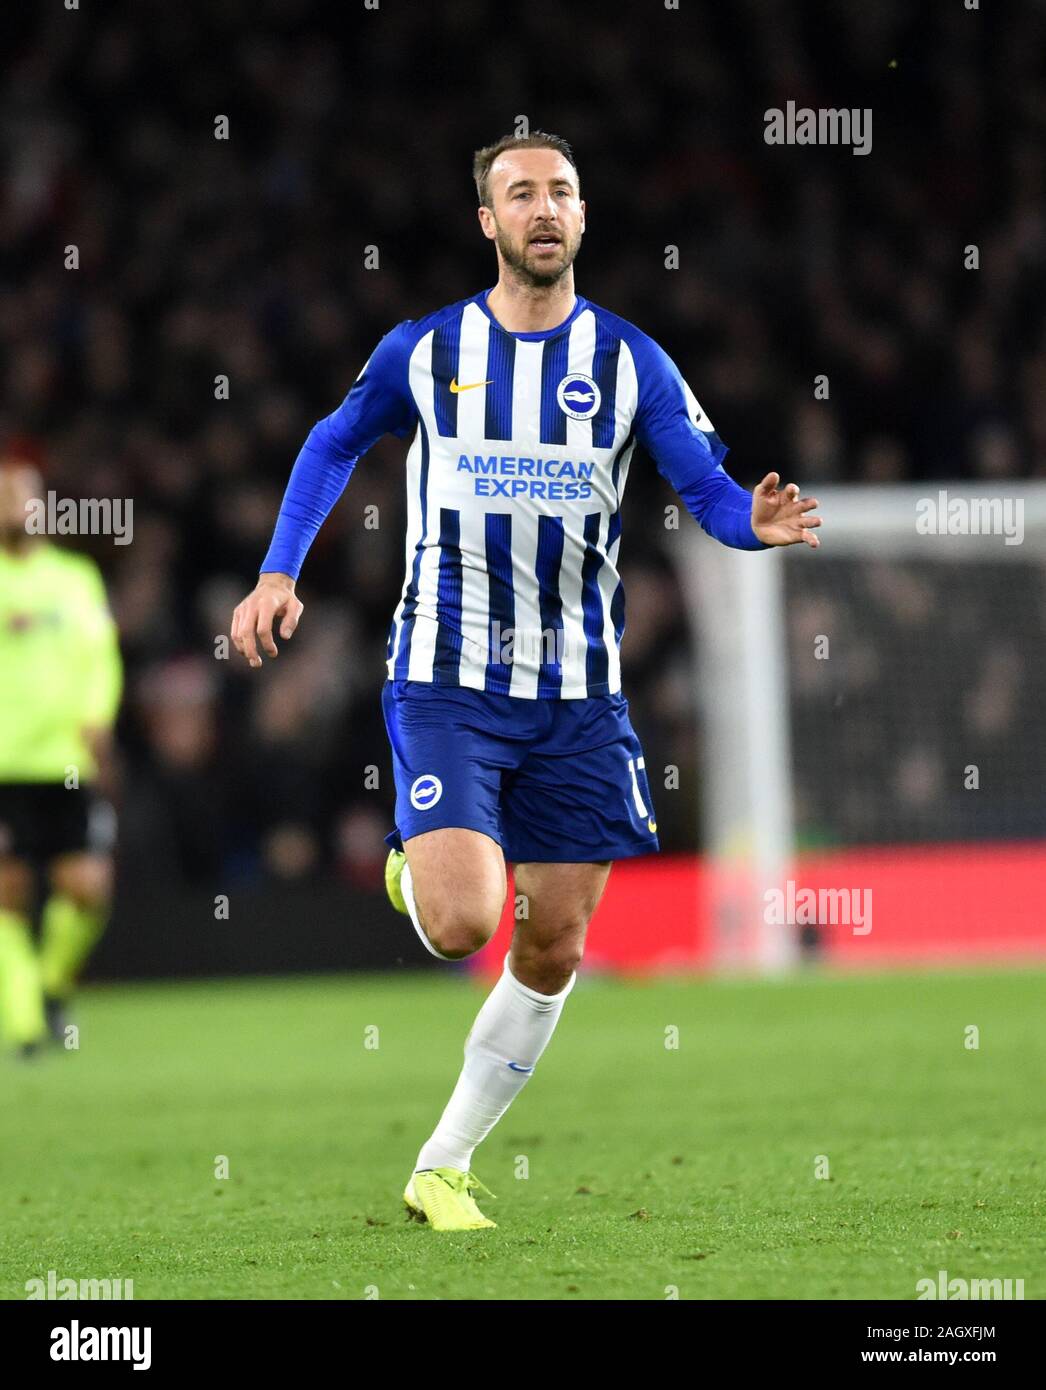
(253, 619)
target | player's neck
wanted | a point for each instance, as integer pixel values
(531, 308)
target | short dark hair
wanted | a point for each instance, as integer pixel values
(537, 140)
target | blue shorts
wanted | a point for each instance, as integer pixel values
(552, 781)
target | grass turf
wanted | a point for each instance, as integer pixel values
(651, 1168)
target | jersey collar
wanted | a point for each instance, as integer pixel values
(579, 305)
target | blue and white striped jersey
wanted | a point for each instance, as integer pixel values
(515, 476)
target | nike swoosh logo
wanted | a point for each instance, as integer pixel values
(516, 1067)
(455, 388)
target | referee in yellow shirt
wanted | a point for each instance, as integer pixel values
(60, 684)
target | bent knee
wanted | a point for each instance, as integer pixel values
(564, 959)
(547, 967)
(457, 933)
(554, 969)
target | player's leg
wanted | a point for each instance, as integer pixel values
(515, 1023)
(74, 918)
(453, 755)
(556, 903)
(451, 750)
(446, 867)
(78, 848)
(22, 1019)
(579, 800)
(454, 884)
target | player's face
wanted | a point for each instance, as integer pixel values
(18, 485)
(538, 218)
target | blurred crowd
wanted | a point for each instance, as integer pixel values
(875, 760)
(353, 128)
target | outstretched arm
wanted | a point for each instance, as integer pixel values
(678, 435)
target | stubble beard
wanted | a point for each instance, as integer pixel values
(527, 273)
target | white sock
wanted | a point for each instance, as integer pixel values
(407, 889)
(513, 1026)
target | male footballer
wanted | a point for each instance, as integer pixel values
(510, 734)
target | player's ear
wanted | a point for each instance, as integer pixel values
(486, 221)
(582, 206)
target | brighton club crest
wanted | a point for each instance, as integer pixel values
(578, 396)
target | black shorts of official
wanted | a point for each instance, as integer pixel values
(41, 820)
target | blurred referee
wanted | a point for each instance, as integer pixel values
(60, 683)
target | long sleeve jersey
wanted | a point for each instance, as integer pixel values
(515, 477)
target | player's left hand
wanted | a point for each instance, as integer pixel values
(780, 515)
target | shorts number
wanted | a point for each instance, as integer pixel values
(637, 795)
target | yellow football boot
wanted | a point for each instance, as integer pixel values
(443, 1197)
(394, 867)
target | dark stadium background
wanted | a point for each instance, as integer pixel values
(352, 128)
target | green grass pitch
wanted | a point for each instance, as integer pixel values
(650, 1169)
